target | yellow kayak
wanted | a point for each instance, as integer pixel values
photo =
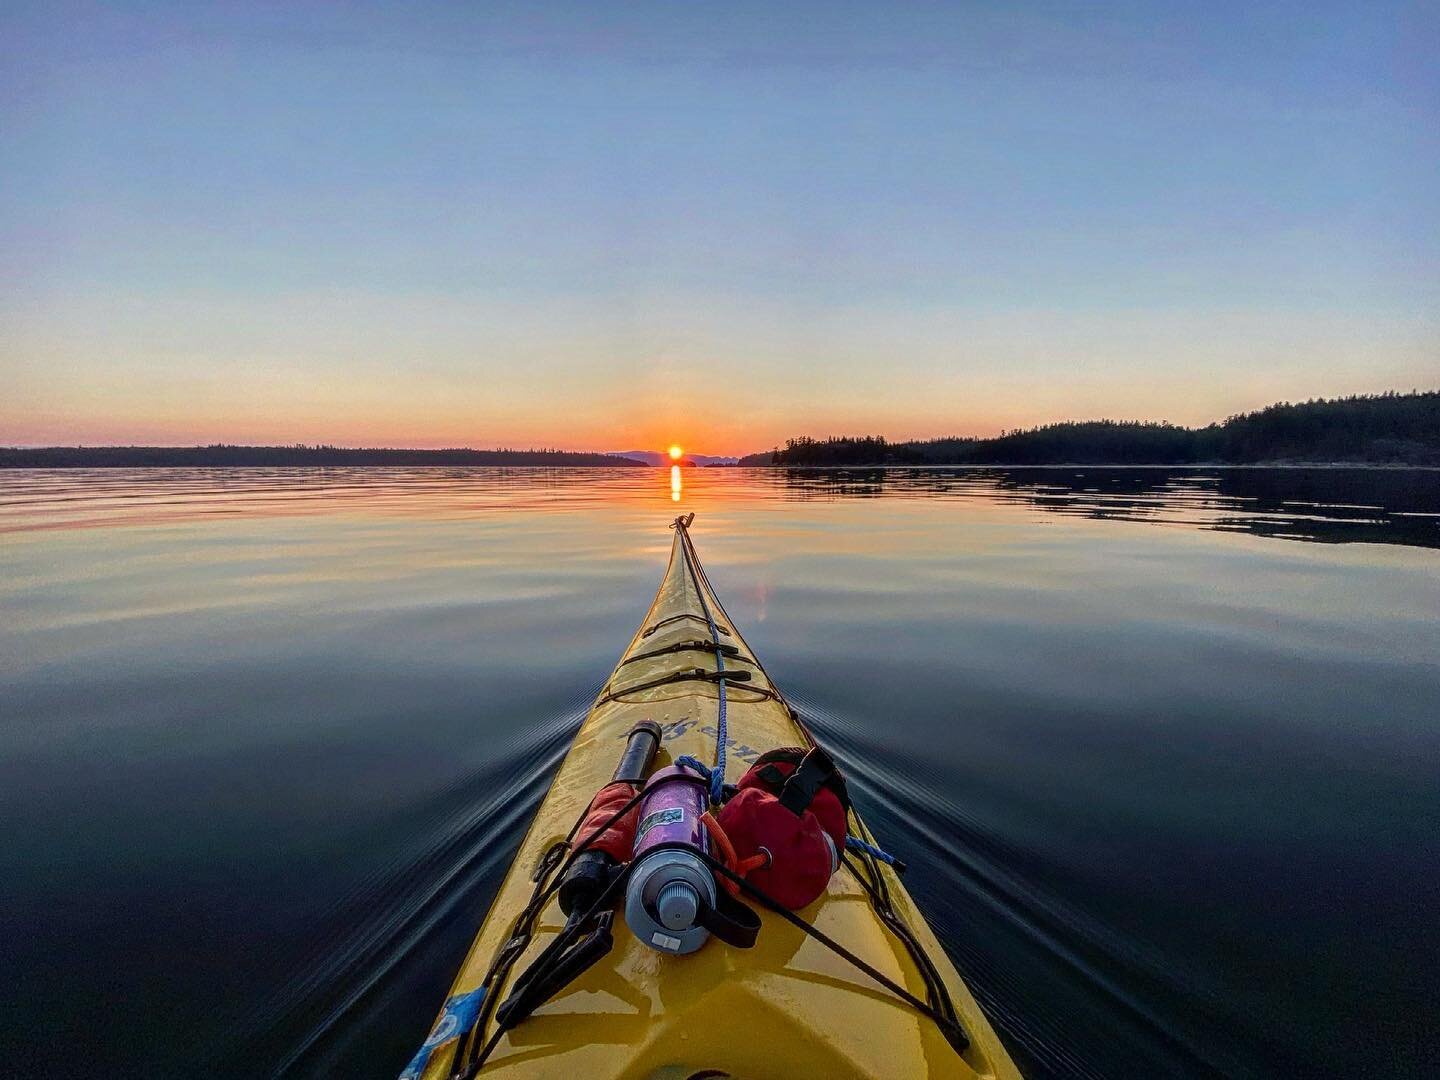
(791, 1006)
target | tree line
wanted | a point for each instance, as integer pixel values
(1390, 428)
(224, 454)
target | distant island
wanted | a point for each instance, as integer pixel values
(220, 454)
(1379, 429)
(660, 457)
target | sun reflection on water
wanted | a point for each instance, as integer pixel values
(675, 483)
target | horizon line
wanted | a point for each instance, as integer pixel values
(689, 454)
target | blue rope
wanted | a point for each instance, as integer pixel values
(854, 843)
(722, 735)
(717, 780)
(694, 764)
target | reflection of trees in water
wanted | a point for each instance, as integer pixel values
(1388, 506)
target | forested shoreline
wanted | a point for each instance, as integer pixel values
(224, 455)
(1381, 429)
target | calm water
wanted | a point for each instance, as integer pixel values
(1162, 747)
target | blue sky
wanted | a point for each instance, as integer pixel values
(617, 225)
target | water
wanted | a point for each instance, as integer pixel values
(1161, 746)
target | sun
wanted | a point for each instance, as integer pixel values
(676, 453)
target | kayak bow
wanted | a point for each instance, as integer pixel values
(790, 1006)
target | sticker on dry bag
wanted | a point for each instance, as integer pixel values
(672, 815)
(457, 1018)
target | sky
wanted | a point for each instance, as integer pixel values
(612, 226)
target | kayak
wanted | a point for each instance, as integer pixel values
(818, 993)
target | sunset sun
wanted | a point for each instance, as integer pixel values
(676, 453)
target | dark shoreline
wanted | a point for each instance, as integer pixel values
(1378, 429)
(253, 457)
(20, 459)
(1380, 466)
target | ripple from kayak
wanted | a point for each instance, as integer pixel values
(375, 932)
(1003, 930)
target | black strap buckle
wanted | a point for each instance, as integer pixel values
(532, 989)
(807, 780)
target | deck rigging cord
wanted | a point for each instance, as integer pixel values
(937, 1005)
(949, 1024)
(547, 883)
(722, 736)
(869, 853)
(549, 968)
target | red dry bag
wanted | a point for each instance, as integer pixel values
(792, 807)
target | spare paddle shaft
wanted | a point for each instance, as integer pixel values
(639, 753)
(591, 872)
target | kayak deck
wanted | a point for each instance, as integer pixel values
(789, 1006)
